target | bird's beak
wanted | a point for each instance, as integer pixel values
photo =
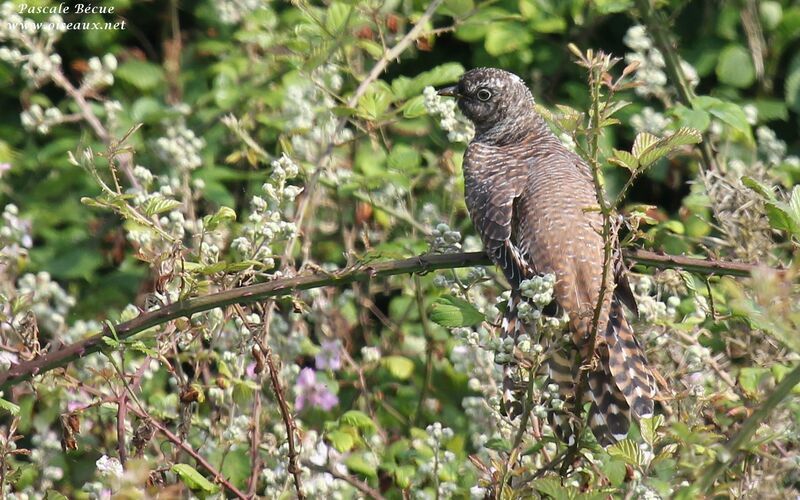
(448, 91)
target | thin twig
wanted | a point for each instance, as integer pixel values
(361, 486)
(423, 394)
(258, 292)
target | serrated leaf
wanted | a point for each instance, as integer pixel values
(649, 428)
(157, 205)
(358, 419)
(414, 107)
(341, 440)
(211, 222)
(553, 488)
(404, 158)
(648, 148)
(193, 479)
(628, 451)
(359, 465)
(452, 312)
(624, 159)
(9, 407)
(399, 366)
(643, 141)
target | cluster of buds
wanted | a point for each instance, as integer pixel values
(458, 128)
(445, 240)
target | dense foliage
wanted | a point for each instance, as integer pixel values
(207, 145)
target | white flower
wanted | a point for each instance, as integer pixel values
(109, 466)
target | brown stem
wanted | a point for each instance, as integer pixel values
(122, 415)
(288, 421)
(360, 272)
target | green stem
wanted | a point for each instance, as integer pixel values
(750, 426)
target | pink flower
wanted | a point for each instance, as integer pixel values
(312, 393)
(329, 356)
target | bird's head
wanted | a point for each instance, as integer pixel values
(491, 98)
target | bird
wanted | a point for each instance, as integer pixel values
(531, 201)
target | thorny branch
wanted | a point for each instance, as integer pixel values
(360, 272)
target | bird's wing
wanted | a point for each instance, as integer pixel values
(491, 204)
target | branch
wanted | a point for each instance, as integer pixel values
(361, 272)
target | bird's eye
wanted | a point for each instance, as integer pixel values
(484, 94)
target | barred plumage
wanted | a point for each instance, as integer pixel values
(527, 195)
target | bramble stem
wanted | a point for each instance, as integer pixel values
(361, 272)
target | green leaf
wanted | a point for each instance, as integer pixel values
(414, 107)
(343, 441)
(643, 141)
(358, 419)
(404, 87)
(404, 474)
(648, 148)
(399, 366)
(404, 158)
(359, 465)
(375, 101)
(615, 471)
(792, 84)
(552, 487)
(751, 378)
(193, 479)
(728, 112)
(691, 118)
(211, 222)
(735, 67)
(452, 312)
(54, 495)
(498, 444)
(506, 37)
(649, 428)
(145, 76)
(157, 205)
(9, 407)
(760, 188)
(458, 8)
(628, 451)
(624, 159)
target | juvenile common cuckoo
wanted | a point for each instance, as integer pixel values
(531, 201)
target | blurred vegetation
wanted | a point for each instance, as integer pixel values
(209, 145)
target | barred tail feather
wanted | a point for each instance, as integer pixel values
(511, 327)
(610, 414)
(561, 371)
(628, 365)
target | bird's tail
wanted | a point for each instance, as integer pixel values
(621, 384)
(512, 328)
